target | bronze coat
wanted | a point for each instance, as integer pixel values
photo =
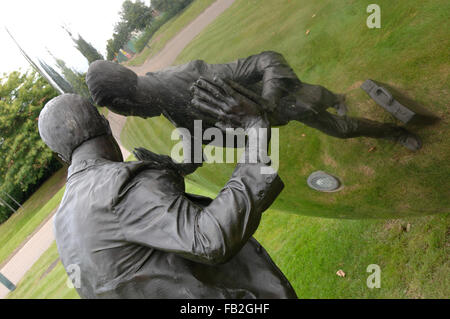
(134, 233)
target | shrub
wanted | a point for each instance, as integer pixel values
(25, 160)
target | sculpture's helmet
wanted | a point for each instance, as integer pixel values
(67, 121)
(111, 84)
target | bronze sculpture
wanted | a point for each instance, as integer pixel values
(267, 74)
(134, 232)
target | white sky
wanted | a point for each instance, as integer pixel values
(36, 26)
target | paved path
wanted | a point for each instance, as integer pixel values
(174, 47)
(169, 53)
(24, 259)
(26, 256)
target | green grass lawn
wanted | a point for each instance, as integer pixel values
(311, 250)
(35, 210)
(47, 279)
(169, 30)
(409, 52)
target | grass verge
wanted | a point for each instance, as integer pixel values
(35, 210)
(47, 279)
(309, 251)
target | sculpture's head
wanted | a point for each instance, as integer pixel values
(68, 121)
(119, 89)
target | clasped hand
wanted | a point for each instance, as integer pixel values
(227, 103)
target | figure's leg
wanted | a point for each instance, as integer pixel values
(320, 98)
(317, 94)
(308, 104)
(349, 127)
(304, 100)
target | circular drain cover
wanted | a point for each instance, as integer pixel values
(323, 182)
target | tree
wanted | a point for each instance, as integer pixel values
(25, 160)
(170, 5)
(133, 16)
(110, 52)
(136, 15)
(57, 78)
(86, 49)
(162, 5)
(121, 35)
(76, 79)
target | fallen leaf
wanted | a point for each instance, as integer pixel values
(340, 273)
(373, 148)
(307, 31)
(313, 15)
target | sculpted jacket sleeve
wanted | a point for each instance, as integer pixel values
(156, 214)
(269, 67)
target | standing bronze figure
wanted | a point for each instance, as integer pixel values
(132, 230)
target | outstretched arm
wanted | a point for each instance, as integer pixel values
(155, 214)
(268, 67)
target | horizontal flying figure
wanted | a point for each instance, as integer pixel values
(267, 75)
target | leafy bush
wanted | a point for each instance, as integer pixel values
(25, 160)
